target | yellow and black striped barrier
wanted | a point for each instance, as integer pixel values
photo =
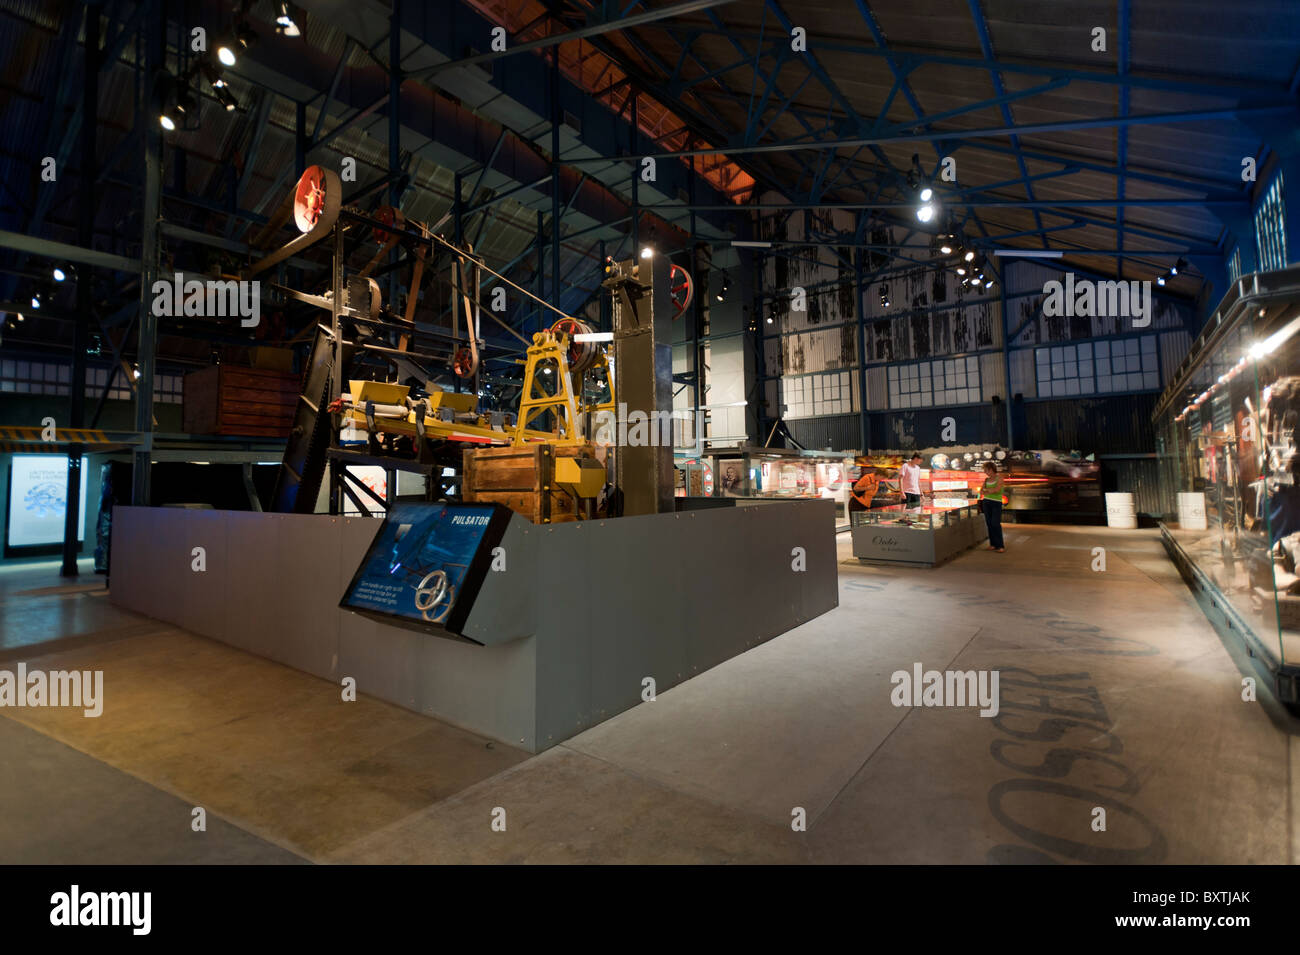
(54, 438)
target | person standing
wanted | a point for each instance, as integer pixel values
(909, 481)
(992, 497)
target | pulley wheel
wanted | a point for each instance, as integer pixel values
(582, 355)
(463, 363)
(309, 198)
(388, 216)
(680, 289)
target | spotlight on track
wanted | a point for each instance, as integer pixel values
(212, 75)
(61, 272)
(226, 54)
(647, 252)
(167, 118)
(291, 20)
(227, 98)
(185, 101)
(1160, 279)
(945, 245)
(884, 296)
(1178, 267)
(36, 300)
(969, 256)
(722, 292)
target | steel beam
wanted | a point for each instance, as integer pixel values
(595, 29)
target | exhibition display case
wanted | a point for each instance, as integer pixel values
(921, 536)
(782, 474)
(1230, 471)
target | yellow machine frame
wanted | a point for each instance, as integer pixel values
(566, 401)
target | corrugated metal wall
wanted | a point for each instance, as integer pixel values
(1115, 425)
(993, 376)
(837, 432)
(1137, 476)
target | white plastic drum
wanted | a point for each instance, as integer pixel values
(1191, 511)
(1120, 510)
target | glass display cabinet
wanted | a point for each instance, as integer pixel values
(1226, 439)
(918, 536)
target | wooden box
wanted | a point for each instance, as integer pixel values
(522, 478)
(226, 399)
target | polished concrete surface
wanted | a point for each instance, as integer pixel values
(1116, 695)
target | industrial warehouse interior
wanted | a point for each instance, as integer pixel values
(676, 432)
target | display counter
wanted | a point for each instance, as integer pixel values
(917, 536)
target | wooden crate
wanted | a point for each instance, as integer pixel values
(226, 399)
(521, 478)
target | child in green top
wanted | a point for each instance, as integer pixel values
(991, 497)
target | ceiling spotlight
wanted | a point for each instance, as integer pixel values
(1179, 265)
(226, 98)
(769, 319)
(185, 101)
(1160, 280)
(291, 20)
(165, 120)
(926, 193)
(969, 255)
(722, 293)
(961, 270)
(213, 75)
(21, 317)
(59, 273)
(946, 247)
(884, 296)
(925, 213)
(36, 300)
(226, 54)
(647, 252)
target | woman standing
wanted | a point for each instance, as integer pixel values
(991, 498)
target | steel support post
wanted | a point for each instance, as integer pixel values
(148, 340)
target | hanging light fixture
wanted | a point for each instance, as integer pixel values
(291, 20)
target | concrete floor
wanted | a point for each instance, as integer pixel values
(1115, 694)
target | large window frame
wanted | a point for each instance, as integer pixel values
(1102, 366)
(1270, 227)
(935, 383)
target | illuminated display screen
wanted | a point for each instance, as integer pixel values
(38, 493)
(426, 564)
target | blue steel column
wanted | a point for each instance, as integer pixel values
(861, 321)
(394, 133)
(1006, 359)
(148, 340)
(636, 177)
(541, 267)
(85, 235)
(555, 177)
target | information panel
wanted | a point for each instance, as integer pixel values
(38, 499)
(426, 565)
